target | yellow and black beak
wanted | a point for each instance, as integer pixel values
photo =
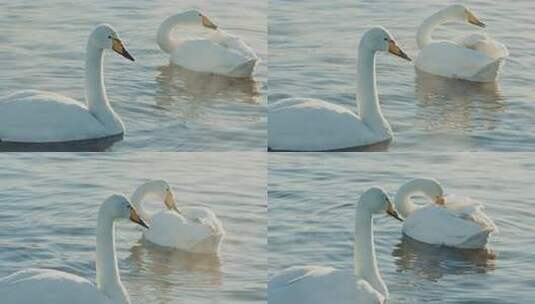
(170, 202)
(118, 47)
(472, 19)
(134, 217)
(392, 212)
(207, 23)
(440, 200)
(393, 48)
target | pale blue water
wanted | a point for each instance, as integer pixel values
(313, 51)
(300, 185)
(48, 214)
(163, 108)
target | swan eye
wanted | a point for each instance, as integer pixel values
(109, 37)
(386, 39)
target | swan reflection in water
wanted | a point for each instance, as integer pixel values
(458, 104)
(433, 262)
(169, 268)
(177, 84)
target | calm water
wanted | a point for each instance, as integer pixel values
(300, 186)
(164, 108)
(313, 51)
(48, 213)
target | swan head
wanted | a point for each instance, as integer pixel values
(377, 201)
(195, 17)
(163, 190)
(118, 206)
(431, 188)
(463, 14)
(105, 37)
(379, 39)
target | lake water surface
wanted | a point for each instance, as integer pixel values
(48, 217)
(164, 108)
(301, 185)
(313, 51)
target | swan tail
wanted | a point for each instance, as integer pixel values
(478, 240)
(489, 72)
(244, 70)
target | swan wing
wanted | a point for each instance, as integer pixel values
(315, 285)
(444, 226)
(170, 229)
(483, 43)
(451, 60)
(205, 55)
(39, 116)
(301, 124)
(204, 217)
(48, 286)
(470, 210)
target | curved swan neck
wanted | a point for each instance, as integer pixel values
(141, 193)
(164, 36)
(367, 97)
(108, 279)
(428, 187)
(365, 262)
(423, 36)
(95, 91)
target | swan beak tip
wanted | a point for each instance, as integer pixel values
(118, 47)
(134, 217)
(472, 19)
(208, 23)
(394, 49)
(393, 213)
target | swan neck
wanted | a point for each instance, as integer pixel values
(367, 96)
(164, 36)
(95, 91)
(108, 279)
(365, 261)
(423, 36)
(137, 200)
(404, 204)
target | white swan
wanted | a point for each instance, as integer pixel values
(475, 57)
(45, 117)
(193, 229)
(451, 221)
(316, 284)
(46, 286)
(304, 124)
(221, 53)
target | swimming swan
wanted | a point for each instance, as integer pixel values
(450, 221)
(304, 124)
(475, 57)
(221, 53)
(193, 229)
(45, 117)
(320, 285)
(47, 286)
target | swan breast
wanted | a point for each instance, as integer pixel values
(50, 287)
(316, 284)
(301, 124)
(38, 116)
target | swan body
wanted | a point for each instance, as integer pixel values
(44, 117)
(193, 229)
(47, 286)
(220, 53)
(451, 221)
(319, 285)
(304, 124)
(474, 57)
